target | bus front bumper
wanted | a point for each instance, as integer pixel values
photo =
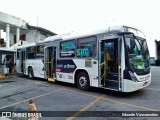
(130, 86)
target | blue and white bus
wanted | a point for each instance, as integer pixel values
(81, 59)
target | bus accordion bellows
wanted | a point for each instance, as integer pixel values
(115, 58)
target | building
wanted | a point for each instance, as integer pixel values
(19, 32)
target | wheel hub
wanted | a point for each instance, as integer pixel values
(82, 81)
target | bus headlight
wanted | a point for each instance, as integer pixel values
(133, 77)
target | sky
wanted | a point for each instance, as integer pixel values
(64, 16)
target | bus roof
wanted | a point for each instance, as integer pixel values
(26, 45)
(95, 32)
(68, 36)
(72, 36)
(121, 28)
(6, 49)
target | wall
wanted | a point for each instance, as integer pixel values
(41, 37)
(30, 36)
(11, 39)
(34, 36)
(6, 18)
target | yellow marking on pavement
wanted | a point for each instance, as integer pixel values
(128, 104)
(85, 108)
(81, 93)
(102, 98)
(16, 103)
(111, 100)
(115, 101)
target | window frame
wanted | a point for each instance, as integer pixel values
(85, 41)
(27, 49)
(39, 54)
(74, 49)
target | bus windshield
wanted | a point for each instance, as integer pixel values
(137, 52)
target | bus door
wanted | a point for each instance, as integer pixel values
(22, 58)
(50, 63)
(109, 60)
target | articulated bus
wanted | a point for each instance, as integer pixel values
(115, 58)
(30, 60)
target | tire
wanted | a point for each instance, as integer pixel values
(83, 81)
(30, 73)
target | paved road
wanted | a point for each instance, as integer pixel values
(15, 93)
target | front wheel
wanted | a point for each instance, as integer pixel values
(83, 81)
(30, 73)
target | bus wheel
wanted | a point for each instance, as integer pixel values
(83, 81)
(30, 73)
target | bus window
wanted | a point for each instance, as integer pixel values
(86, 47)
(67, 48)
(40, 51)
(31, 52)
